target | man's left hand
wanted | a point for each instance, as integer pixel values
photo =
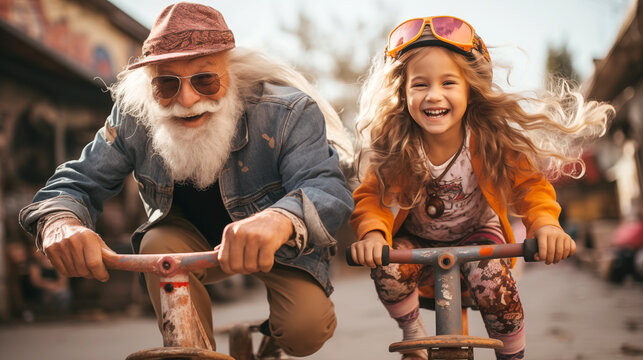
(249, 245)
(554, 244)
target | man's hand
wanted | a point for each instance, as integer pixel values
(368, 251)
(554, 244)
(249, 245)
(74, 250)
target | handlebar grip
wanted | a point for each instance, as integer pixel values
(385, 256)
(349, 258)
(530, 249)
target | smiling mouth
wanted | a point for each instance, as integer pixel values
(190, 118)
(436, 113)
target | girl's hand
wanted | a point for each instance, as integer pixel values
(368, 251)
(554, 244)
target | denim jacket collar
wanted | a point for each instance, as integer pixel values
(240, 138)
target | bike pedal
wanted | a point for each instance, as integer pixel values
(447, 346)
(268, 350)
(171, 353)
(451, 353)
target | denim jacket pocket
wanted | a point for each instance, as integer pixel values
(154, 196)
(145, 186)
(268, 199)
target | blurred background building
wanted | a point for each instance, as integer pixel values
(618, 79)
(55, 59)
(606, 205)
(603, 208)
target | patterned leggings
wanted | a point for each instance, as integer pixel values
(489, 282)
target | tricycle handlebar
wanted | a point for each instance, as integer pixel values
(528, 249)
(161, 264)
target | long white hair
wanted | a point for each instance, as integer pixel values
(248, 67)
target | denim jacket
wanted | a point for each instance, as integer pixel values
(280, 158)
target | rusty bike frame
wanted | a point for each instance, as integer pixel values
(450, 341)
(183, 334)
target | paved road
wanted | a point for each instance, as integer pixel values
(570, 315)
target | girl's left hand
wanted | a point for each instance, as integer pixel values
(554, 244)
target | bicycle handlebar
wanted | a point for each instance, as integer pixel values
(528, 249)
(161, 264)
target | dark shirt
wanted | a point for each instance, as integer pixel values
(203, 208)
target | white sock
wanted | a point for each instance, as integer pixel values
(414, 330)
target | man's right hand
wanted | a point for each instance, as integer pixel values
(74, 250)
(368, 251)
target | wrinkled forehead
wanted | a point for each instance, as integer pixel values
(216, 63)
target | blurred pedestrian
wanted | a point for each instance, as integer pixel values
(23, 294)
(53, 288)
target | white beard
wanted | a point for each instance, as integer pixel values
(195, 155)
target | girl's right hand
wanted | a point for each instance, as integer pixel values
(368, 251)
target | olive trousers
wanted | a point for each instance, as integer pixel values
(301, 316)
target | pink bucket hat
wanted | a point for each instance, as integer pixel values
(185, 30)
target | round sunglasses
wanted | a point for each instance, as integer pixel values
(168, 86)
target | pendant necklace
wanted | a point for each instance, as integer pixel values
(434, 205)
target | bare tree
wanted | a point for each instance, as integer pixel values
(559, 66)
(337, 55)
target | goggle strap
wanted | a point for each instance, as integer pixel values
(435, 42)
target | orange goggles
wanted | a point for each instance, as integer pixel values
(449, 30)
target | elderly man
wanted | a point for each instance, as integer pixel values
(226, 155)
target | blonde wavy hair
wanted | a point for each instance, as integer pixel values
(547, 131)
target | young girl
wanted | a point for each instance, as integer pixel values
(449, 157)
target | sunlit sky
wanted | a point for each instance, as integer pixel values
(517, 32)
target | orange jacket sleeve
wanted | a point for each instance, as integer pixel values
(538, 206)
(369, 214)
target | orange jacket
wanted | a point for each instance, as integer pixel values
(538, 207)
